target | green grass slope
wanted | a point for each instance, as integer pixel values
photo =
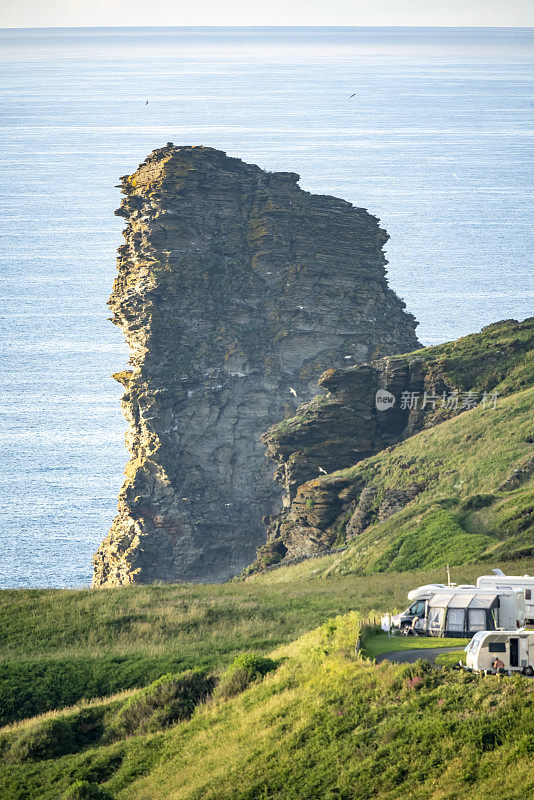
(475, 477)
(498, 358)
(324, 723)
(58, 647)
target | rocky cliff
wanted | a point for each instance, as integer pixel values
(236, 289)
(345, 427)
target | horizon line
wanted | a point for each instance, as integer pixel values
(279, 27)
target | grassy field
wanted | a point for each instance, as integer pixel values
(376, 642)
(323, 723)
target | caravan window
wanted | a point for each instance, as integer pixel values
(528, 594)
(435, 619)
(455, 619)
(477, 619)
(497, 647)
(475, 642)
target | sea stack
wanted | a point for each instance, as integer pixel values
(236, 289)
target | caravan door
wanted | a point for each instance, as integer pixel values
(514, 652)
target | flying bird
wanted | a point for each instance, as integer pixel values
(146, 103)
(293, 392)
(353, 95)
(323, 471)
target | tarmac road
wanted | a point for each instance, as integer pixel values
(409, 656)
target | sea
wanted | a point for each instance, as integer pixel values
(436, 142)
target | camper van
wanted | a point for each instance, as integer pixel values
(464, 612)
(419, 596)
(525, 582)
(514, 648)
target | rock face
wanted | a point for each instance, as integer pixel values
(235, 291)
(343, 427)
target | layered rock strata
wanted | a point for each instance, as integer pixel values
(236, 289)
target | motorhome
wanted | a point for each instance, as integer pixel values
(463, 612)
(525, 582)
(514, 648)
(426, 591)
(419, 596)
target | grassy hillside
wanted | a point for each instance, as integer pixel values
(59, 646)
(472, 484)
(323, 722)
(328, 500)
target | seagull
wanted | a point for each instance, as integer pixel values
(352, 95)
(323, 471)
(146, 103)
(293, 392)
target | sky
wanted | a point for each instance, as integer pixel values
(93, 13)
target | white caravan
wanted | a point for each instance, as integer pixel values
(514, 648)
(525, 582)
(462, 610)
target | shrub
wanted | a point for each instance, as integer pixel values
(48, 739)
(169, 699)
(246, 668)
(58, 736)
(84, 790)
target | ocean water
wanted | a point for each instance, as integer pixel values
(437, 142)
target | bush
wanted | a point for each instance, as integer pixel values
(84, 790)
(48, 739)
(55, 737)
(246, 668)
(169, 699)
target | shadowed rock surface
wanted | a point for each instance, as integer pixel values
(236, 290)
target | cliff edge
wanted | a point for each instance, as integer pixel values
(236, 289)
